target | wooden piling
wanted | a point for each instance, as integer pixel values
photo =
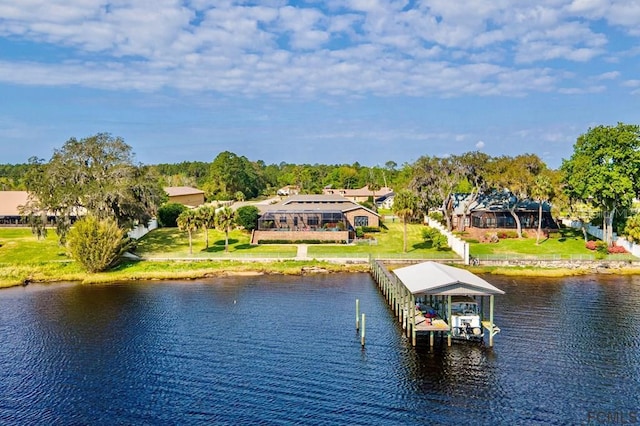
(362, 334)
(357, 314)
(449, 320)
(491, 305)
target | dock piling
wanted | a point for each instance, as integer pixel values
(357, 314)
(362, 335)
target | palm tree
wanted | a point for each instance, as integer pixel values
(541, 191)
(206, 219)
(373, 186)
(225, 218)
(188, 221)
(405, 204)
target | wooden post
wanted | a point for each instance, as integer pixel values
(357, 314)
(362, 332)
(491, 304)
(431, 338)
(413, 320)
(449, 320)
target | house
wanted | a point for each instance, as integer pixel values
(492, 211)
(359, 195)
(313, 217)
(191, 197)
(385, 201)
(10, 204)
(289, 190)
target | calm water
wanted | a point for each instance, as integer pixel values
(284, 350)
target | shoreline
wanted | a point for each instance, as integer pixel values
(190, 270)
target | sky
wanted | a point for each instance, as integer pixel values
(311, 81)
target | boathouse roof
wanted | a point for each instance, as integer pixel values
(438, 279)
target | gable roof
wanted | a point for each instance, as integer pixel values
(175, 191)
(10, 202)
(315, 203)
(438, 279)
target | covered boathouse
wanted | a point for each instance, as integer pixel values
(431, 297)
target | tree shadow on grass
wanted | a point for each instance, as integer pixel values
(425, 245)
(245, 246)
(221, 242)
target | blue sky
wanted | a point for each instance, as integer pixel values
(335, 81)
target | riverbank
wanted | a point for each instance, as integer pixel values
(50, 272)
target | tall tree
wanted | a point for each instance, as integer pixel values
(188, 221)
(231, 173)
(512, 178)
(435, 180)
(405, 205)
(541, 191)
(95, 174)
(604, 170)
(473, 167)
(225, 218)
(373, 183)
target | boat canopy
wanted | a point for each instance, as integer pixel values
(432, 278)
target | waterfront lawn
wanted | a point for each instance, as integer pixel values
(389, 244)
(172, 243)
(20, 246)
(567, 244)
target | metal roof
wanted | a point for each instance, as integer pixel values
(438, 279)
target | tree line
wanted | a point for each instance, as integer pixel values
(99, 174)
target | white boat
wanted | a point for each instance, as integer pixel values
(465, 318)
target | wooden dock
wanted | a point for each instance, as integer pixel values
(402, 301)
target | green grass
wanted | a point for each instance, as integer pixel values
(389, 244)
(171, 243)
(20, 246)
(569, 243)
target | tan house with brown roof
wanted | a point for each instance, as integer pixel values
(191, 197)
(359, 195)
(10, 203)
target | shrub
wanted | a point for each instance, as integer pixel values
(591, 245)
(247, 217)
(437, 239)
(438, 216)
(616, 250)
(168, 214)
(359, 232)
(97, 244)
(503, 235)
(601, 248)
(370, 229)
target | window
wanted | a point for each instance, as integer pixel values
(313, 221)
(283, 219)
(361, 221)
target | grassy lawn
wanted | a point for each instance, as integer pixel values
(389, 244)
(568, 244)
(171, 242)
(20, 246)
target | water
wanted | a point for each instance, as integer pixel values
(284, 350)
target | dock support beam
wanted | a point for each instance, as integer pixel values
(357, 314)
(491, 304)
(449, 320)
(413, 320)
(362, 332)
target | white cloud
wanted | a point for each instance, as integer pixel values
(480, 145)
(340, 47)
